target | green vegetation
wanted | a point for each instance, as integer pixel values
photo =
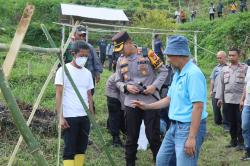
(31, 70)
(220, 34)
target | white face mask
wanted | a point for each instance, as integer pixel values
(81, 61)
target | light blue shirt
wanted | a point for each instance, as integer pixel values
(187, 87)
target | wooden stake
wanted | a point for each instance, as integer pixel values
(17, 40)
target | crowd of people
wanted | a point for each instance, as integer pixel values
(180, 15)
(229, 89)
(169, 99)
(233, 7)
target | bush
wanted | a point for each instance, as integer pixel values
(220, 34)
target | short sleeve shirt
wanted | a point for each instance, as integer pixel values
(215, 74)
(72, 106)
(188, 87)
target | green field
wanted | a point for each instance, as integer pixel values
(26, 87)
(31, 70)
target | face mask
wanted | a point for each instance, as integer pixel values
(81, 61)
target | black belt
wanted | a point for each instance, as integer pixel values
(175, 121)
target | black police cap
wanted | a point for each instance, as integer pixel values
(119, 39)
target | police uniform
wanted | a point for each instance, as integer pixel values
(116, 113)
(133, 70)
(230, 90)
(218, 119)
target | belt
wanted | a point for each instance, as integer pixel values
(175, 121)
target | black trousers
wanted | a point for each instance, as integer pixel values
(219, 14)
(103, 57)
(211, 16)
(234, 117)
(116, 116)
(76, 137)
(242, 8)
(110, 58)
(217, 111)
(225, 120)
(133, 120)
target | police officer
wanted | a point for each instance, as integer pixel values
(221, 58)
(116, 113)
(137, 78)
(229, 92)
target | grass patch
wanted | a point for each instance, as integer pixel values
(26, 88)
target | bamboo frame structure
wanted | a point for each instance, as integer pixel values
(38, 100)
(20, 122)
(24, 47)
(140, 30)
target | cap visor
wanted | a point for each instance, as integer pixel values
(118, 48)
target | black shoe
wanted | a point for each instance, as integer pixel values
(231, 145)
(117, 141)
(130, 163)
(218, 123)
(246, 157)
(240, 147)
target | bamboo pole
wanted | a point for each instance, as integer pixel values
(91, 117)
(129, 27)
(19, 121)
(5, 47)
(38, 100)
(195, 47)
(18, 39)
(60, 119)
(153, 41)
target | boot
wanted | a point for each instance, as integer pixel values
(68, 163)
(79, 159)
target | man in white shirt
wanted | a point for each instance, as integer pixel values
(73, 118)
(211, 11)
(177, 16)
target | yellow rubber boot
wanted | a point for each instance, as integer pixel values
(68, 163)
(79, 159)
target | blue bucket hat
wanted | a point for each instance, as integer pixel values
(177, 45)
